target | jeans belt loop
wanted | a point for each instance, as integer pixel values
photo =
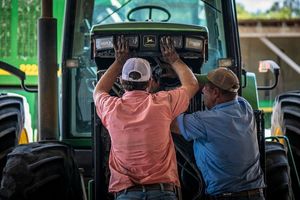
(162, 187)
(144, 188)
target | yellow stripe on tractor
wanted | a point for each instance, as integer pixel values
(23, 137)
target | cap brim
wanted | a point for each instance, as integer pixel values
(202, 78)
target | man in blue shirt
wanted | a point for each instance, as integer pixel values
(225, 140)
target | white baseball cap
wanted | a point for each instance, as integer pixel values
(136, 70)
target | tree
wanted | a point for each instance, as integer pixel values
(288, 9)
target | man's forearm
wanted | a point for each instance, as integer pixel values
(184, 73)
(186, 76)
(121, 49)
(109, 77)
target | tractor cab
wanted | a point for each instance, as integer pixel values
(197, 28)
(201, 37)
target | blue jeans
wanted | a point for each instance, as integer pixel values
(245, 198)
(147, 195)
(256, 197)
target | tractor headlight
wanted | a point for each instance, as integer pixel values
(133, 41)
(104, 43)
(195, 44)
(177, 42)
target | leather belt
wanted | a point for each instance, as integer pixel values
(246, 193)
(149, 187)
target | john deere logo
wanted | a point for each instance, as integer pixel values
(149, 41)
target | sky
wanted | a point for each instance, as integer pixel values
(256, 5)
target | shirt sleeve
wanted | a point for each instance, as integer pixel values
(179, 101)
(103, 102)
(191, 126)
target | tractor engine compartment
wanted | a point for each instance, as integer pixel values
(190, 42)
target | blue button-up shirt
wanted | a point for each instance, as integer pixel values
(225, 146)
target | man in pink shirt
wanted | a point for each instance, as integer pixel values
(142, 159)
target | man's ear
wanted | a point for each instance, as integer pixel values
(219, 93)
(201, 86)
(216, 92)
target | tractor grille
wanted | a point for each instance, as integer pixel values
(195, 103)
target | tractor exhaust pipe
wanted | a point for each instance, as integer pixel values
(47, 71)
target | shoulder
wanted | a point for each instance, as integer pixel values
(243, 101)
(178, 92)
(103, 97)
(99, 94)
(203, 116)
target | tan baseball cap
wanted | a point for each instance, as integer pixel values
(221, 77)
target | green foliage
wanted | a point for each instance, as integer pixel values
(242, 13)
(283, 13)
(286, 10)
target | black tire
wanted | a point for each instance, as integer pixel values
(286, 118)
(277, 172)
(11, 125)
(41, 170)
(105, 149)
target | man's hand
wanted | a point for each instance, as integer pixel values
(121, 48)
(185, 74)
(168, 50)
(109, 77)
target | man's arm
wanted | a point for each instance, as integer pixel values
(109, 77)
(186, 76)
(174, 127)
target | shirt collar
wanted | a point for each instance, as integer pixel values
(135, 93)
(222, 105)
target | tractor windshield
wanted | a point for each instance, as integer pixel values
(80, 72)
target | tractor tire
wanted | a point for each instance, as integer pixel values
(41, 170)
(277, 172)
(11, 125)
(285, 121)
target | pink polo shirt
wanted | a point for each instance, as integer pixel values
(142, 149)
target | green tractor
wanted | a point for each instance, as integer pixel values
(70, 160)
